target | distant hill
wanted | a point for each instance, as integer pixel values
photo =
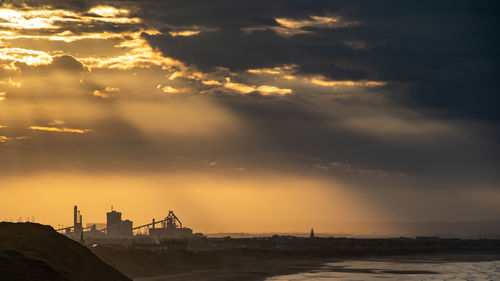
(35, 252)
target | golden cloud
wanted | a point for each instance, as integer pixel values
(321, 81)
(60, 130)
(29, 57)
(137, 52)
(263, 90)
(184, 33)
(107, 93)
(315, 21)
(108, 11)
(272, 90)
(29, 19)
(240, 87)
(11, 83)
(5, 139)
(211, 82)
(140, 55)
(279, 70)
(290, 27)
(47, 19)
(168, 89)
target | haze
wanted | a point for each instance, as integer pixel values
(276, 117)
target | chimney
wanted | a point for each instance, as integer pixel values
(75, 215)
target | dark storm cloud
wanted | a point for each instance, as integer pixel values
(445, 51)
(439, 60)
(67, 63)
(63, 63)
(313, 138)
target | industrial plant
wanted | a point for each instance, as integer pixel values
(116, 229)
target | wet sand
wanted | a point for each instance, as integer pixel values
(254, 271)
(261, 270)
(434, 258)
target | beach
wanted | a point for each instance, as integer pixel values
(274, 269)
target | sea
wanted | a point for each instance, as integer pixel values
(394, 270)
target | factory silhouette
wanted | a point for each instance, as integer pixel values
(118, 230)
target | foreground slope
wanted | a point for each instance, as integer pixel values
(35, 252)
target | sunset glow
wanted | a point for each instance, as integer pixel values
(265, 118)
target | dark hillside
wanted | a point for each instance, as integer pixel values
(35, 252)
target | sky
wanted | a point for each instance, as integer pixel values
(250, 116)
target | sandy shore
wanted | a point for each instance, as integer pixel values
(434, 258)
(261, 270)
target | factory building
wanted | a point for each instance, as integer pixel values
(170, 229)
(77, 223)
(116, 227)
(171, 233)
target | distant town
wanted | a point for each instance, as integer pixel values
(165, 246)
(170, 233)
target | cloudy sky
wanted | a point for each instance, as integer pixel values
(250, 115)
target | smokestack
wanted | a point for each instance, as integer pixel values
(75, 215)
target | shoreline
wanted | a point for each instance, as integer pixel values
(256, 271)
(263, 269)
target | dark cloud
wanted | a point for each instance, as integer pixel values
(258, 49)
(439, 60)
(67, 63)
(445, 51)
(313, 137)
(64, 63)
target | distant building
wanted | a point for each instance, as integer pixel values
(172, 229)
(116, 228)
(126, 228)
(77, 223)
(171, 233)
(98, 225)
(312, 233)
(113, 222)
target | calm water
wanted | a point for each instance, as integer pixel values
(374, 270)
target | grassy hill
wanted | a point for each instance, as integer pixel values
(34, 252)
